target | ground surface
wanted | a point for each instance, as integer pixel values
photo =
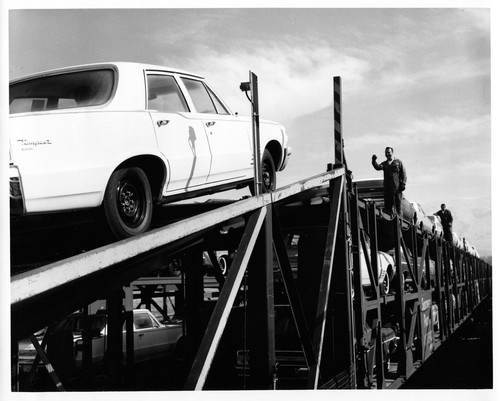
(465, 361)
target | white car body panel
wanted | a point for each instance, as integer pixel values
(228, 138)
(436, 223)
(457, 241)
(184, 143)
(423, 220)
(385, 261)
(59, 171)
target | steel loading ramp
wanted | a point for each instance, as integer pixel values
(48, 292)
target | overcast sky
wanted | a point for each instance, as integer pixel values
(414, 79)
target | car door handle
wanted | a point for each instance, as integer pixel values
(141, 335)
(162, 123)
(210, 123)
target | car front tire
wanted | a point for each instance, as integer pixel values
(268, 174)
(128, 204)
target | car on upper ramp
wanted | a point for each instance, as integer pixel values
(372, 190)
(125, 137)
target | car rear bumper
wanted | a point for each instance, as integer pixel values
(15, 192)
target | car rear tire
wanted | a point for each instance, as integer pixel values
(128, 204)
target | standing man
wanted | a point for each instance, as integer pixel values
(394, 180)
(447, 222)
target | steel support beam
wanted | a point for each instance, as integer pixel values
(114, 352)
(261, 333)
(206, 352)
(379, 356)
(43, 356)
(336, 187)
(292, 292)
(359, 245)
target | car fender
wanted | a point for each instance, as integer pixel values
(65, 159)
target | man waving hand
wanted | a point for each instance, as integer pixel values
(394, 180)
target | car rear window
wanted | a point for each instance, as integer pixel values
(165, 95)
(62, 91)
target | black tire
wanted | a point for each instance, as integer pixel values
(224, 263)
(180, 349)
(268, 174)
(174, 268)
(386, 285)
(128, 204)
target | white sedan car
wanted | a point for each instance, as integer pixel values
(127, 136)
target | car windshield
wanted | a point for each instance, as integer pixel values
(62, 91)
(76, 323)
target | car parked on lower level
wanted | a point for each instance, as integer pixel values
(152, 340)
(386, 270)
(125, 137)
(385, 264)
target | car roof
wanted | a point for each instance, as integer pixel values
(120, 65)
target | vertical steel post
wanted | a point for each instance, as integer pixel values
(448, 299)
(440, 290)
(257, 167)
(261, 310)
(337, 115)
(372, 224)
(326, 280)
(343, 260)
(194, 301)
(359, 295)
(129, 329)
(14, 364)
(400, 299)
(114, 304)
(86, 342)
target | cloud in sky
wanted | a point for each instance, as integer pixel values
(293, 79)
(417, 79)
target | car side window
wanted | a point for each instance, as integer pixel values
(144, 321)
(221, 109)
(200, 96)
(165, 95)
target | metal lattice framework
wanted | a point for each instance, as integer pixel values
(288, 314)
